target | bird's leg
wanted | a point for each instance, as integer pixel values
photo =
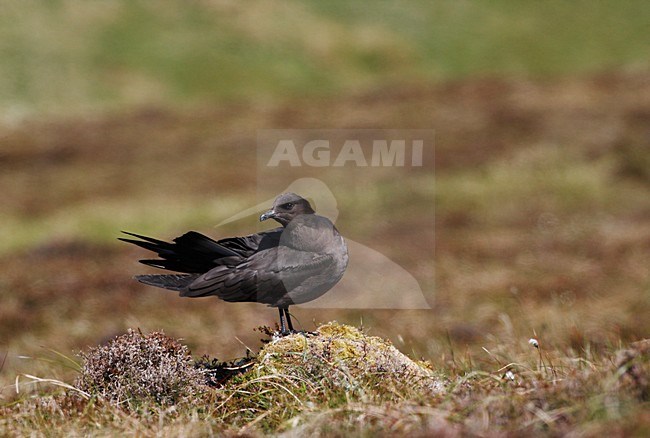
(290, 324)
(283, 328)
(288, 316)
(286, 326)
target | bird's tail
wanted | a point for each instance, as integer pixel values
(191, 253)
(178, 282)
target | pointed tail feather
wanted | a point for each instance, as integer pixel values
(176, 282)
(191, 253)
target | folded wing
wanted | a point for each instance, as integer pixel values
(263, 277)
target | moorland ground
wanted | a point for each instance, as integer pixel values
(128, 116)
(541, 223)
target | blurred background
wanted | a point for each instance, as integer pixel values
(144, 116)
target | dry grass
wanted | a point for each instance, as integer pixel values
(340, 382)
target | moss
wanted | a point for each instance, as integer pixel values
(345, 357)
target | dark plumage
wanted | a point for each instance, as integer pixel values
(292, 264)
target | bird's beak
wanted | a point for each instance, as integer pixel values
(267, 215)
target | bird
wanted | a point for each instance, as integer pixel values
(294, 263)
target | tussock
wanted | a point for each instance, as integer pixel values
(344, 357)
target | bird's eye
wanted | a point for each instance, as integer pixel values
(289, 205)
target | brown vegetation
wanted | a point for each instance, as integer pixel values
(541, 229)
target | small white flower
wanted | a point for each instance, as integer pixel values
(509, 375)
(533, 342)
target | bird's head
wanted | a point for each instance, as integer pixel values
(286, 207)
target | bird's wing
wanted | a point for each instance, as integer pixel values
(264, 277)
(246, 246)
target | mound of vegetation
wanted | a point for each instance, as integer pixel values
(344, 357)
(338, 364)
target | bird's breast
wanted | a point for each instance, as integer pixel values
(312, 233)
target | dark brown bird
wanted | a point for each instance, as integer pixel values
(292, 264)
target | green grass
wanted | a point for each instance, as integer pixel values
(536, 180)
(69, 56)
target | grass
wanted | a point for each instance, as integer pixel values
(322, 385)
(543, 179)
(74, 57)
